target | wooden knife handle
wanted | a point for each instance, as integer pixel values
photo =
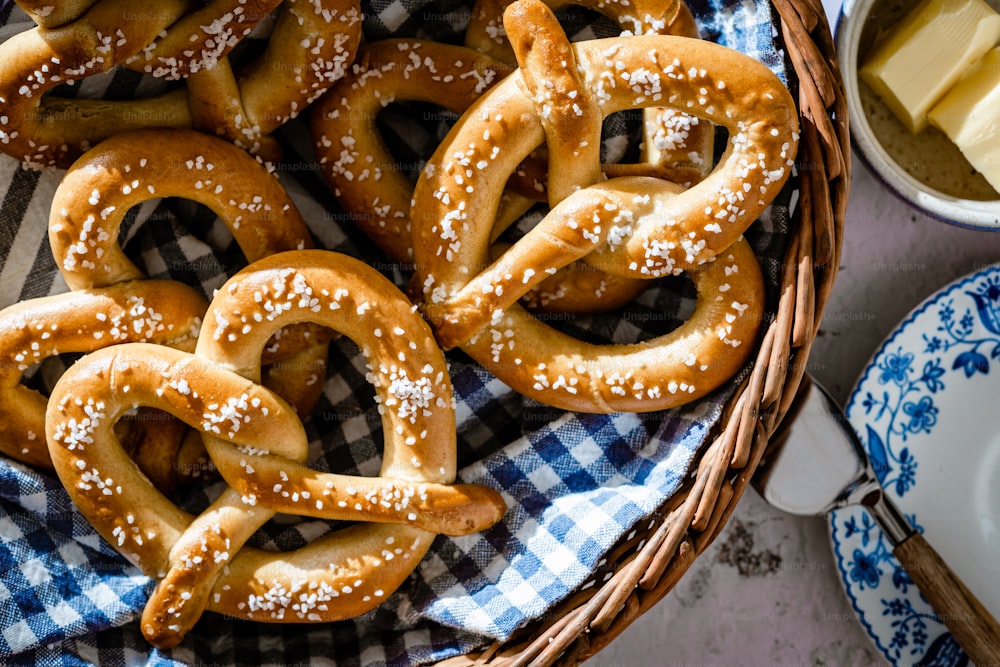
(972, 626)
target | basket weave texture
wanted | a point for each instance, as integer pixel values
(643, 568)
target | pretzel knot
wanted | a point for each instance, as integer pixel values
(310, 47)
(632, 226)
(674, 144)
(375, 192)
(260, 447)
(111, 300)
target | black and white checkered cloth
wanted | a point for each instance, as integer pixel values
(575, 483)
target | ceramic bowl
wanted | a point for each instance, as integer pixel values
(926, 171)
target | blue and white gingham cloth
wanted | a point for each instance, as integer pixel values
(574, 484)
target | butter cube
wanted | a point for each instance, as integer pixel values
(926, 53)
(969, 114)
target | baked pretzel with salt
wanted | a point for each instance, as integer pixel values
(675, 145)
(376, 193)
(355, 160)
(112, 302)
(135, 167)
(131, 168)
(158, 311)
(633, 226)
(259, 445)
(312, 44)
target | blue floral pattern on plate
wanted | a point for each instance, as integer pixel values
(950, 339)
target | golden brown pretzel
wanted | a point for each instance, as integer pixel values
(636, 226)
(353, 156)
(364, 176)
(130, 168)
(42, 130)
(260, 446)
(160, 311)
(675, 145)
(48, 14)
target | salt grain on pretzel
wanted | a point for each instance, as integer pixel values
(633, 226)
(201, 563)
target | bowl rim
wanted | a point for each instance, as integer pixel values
(962, 212)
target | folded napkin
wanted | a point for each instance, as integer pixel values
(574, 483)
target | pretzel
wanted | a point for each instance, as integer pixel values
(311, 46)
(260, 447)
(365, 178)
(675, 145)
(43, 130)
(159, 311)
(636, 226)
(353, 156)
(131, 168)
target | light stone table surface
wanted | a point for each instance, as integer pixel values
(768, 592)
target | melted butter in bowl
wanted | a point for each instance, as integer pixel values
(925, 169)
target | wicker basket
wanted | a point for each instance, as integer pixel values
(645, 566)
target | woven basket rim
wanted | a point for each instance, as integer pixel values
(649, 562)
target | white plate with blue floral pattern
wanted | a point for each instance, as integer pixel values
(927, 409)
